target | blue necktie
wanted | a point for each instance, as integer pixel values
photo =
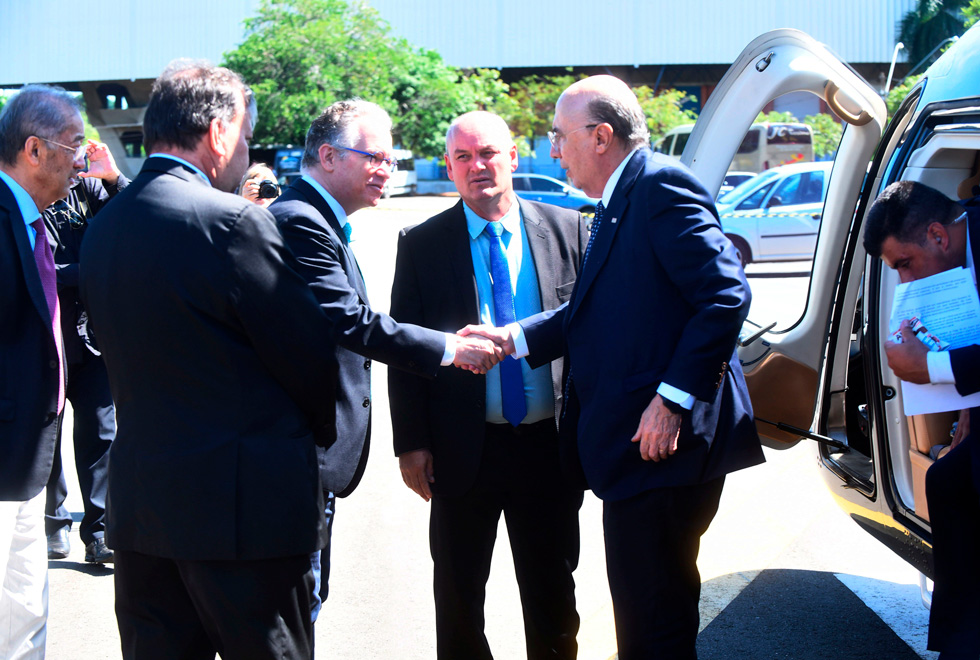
(594, 230)
(511, 379)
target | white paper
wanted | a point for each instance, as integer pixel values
(947, 307)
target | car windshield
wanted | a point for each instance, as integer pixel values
(741, 189)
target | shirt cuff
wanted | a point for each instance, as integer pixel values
(680, 397)
(450, 353)
(940, 367)
(520, 341)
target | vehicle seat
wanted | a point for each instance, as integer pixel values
(924, 432)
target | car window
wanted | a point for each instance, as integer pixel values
(679, 143)
(750, 142)
(520, 183)
(811, 190)
(754, 200)
(544, 185)
(787, 191)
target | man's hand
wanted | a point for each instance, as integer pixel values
(500, 336)
(962, 428)
(658, 431)
(101, 165)
(416, 467)
(908, 359)
(476, 354)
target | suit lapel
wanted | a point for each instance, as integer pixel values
(611, 221)
(461, 260)
(316, 200)
(27, 263)
(540, 246)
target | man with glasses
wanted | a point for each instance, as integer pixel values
(41, 132)
(656, 404)
(93, 415)
(918, 231)
(346, 162)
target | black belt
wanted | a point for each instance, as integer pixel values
(536, 428)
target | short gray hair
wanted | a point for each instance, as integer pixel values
(39, 110)
(627, 119)
(335, 127)
(187, 96)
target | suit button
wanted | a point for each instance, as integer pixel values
(366, 403)
(53, 364)
(367, 364)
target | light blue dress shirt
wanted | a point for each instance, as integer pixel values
(28, 209)
(538, 388)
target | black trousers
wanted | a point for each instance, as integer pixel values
(954, 512)
(519, 476)
(652, 544)
(94, 430)
(256, 610)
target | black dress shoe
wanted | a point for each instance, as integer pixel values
(58, 544)
(97, 552)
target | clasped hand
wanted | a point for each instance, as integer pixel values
(481, 347)
(908, 358)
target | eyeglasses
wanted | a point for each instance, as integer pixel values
(378, 159)
(77, 153)
(556, 136)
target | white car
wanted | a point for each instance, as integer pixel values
(775, 216)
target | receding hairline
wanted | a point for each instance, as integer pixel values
(483, 119)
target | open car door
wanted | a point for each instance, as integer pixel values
(782, 365)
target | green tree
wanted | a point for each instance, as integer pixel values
(898, 93)
(664, 110)
(299, 56)
(971, 14)
(926, 26)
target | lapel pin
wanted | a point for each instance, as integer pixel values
(614, 220)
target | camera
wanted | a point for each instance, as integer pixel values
(268, 189)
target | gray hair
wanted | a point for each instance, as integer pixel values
(486, 118)
(39, 110)
(187, 97)
(336, 127)
(627, 119)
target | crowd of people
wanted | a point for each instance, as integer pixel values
(217, 350)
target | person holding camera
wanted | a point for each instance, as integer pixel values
(259, 185)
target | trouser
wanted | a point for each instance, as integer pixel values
(24, 574)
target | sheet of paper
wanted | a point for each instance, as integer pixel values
(948, 310)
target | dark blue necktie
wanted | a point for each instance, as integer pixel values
(511, 379)
(593, 231)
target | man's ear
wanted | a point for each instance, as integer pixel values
(327, 156)
(215, 132)
(32, 149)
(603, 138)
(449, 169)
(937, 233)
(513, 158)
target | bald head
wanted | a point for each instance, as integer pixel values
(480, 158)
(490, 125)
(607, 99)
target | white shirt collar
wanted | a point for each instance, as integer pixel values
(475, 224)
(334, 205)
(194, 168)
(607, 192)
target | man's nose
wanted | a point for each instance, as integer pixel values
(555, 153)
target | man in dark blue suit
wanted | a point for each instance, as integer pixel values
(41, 152)
(222, 388)
(920, 232)
(346, 163)
(656, 404)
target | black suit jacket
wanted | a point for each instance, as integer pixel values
(211, 341)
(359, 334)
(434, 285)
(28, 363)
(661, 299)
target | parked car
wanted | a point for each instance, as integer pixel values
(733, 179)
(825, 377)
(775, 216)
(764, 145)
(541, 188)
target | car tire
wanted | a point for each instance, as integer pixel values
(744, 253)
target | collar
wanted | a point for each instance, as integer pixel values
(25, 203)
(607, 192)
(476, 224)
(193, 168)
(334, 205)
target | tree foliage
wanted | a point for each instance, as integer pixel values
(664, 111)
(971, 14)
(926, 26)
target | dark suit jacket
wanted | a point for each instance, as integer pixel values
(434, 285)
(28, 363)
(661, 299)
(359, 335)
(211, 341)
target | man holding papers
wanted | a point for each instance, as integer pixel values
(920, 232)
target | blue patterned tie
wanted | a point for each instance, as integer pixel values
(511, 379)
(593, 231)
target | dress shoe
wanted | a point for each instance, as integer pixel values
(58, 544)
(97, 552)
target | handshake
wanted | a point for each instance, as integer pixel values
(481, 347)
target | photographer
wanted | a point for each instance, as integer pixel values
(259, 185)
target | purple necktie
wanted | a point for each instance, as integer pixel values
(45, 268)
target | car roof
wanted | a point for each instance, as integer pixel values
(953, 76)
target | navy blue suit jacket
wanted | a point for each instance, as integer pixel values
(28, 363)
(661, 299)
(359, 334)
